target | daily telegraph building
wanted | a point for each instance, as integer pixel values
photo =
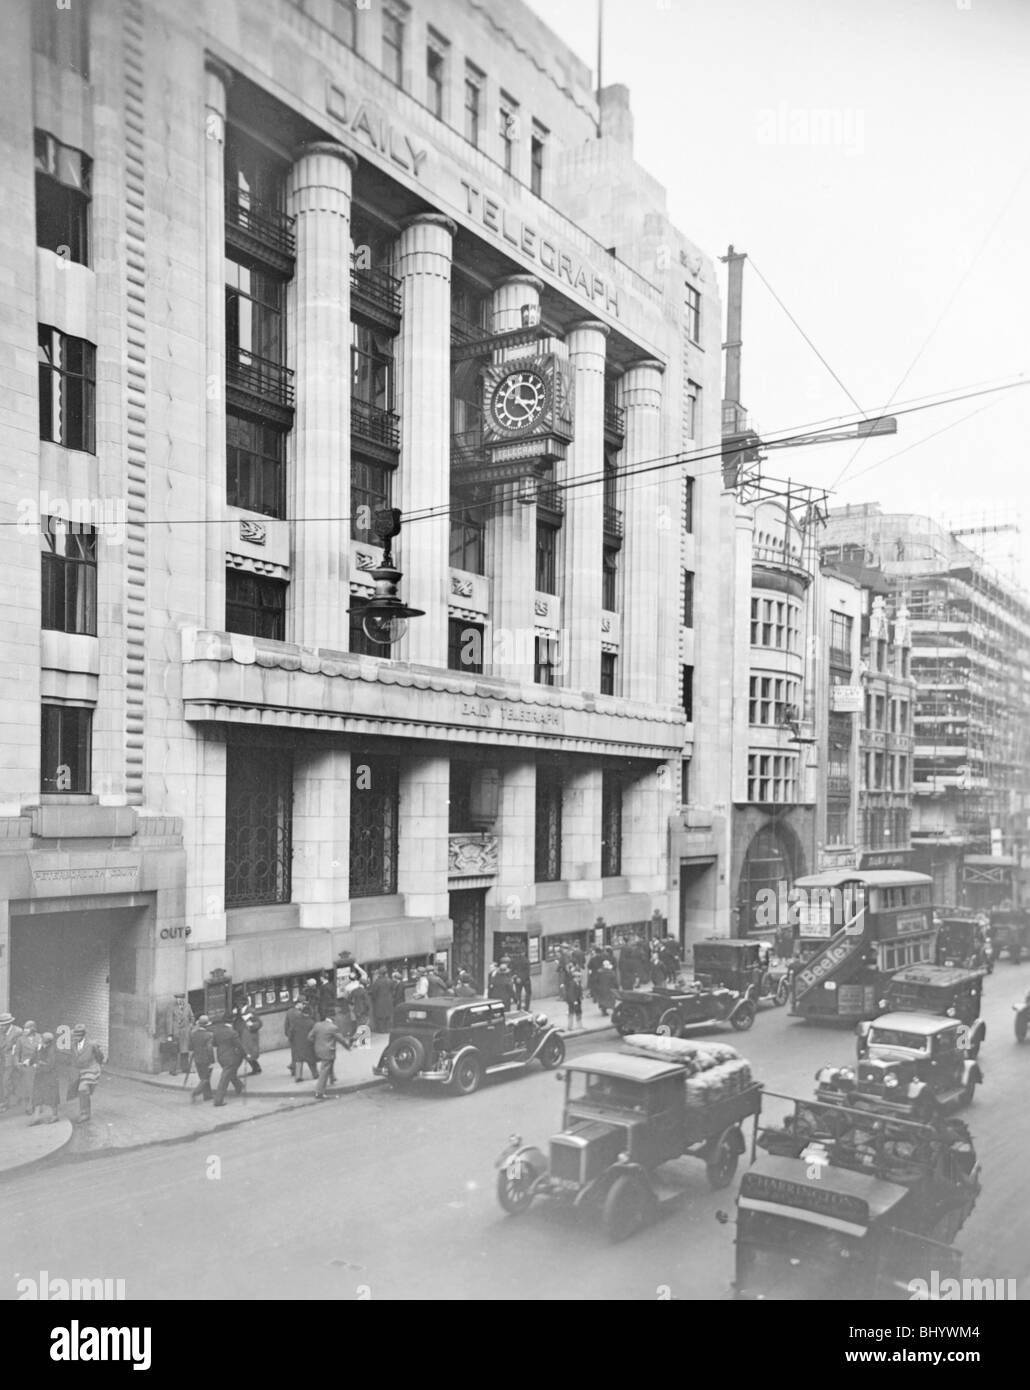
(282, 267)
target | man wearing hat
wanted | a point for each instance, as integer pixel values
(9, 1035)
(25, 1050)
(464, 989)
(87, 1059)
(177, 1030)
(203, 1056)
(46, 1094)
(229, 1051)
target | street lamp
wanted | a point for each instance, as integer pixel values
(384, 617)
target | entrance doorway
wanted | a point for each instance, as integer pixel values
(467, 910)
(697, 900)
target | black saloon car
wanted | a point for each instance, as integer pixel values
(456, 1042)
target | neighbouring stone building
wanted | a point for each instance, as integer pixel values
(281, 267)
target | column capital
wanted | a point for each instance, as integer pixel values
(590, 326)
(217, 68)
(530, 282)
(327, 147)
(646, 364)
(430, 219)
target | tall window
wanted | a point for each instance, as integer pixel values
(436, 73)
(370, 488)
(66, 748)
(838, 823)
(468, 539)
(692, 312)
(545, 667)
(692, 397)
(537, 146)
(345, 23)
(688, 598)
(371, 355)
(609, 579)
(254, 314)
(841, 625)
(509, 131)
(67, 390)
(688, 692)
(608, 660)
(393, 47)
(62, 34)
(546, 559)
(69, 577)
(772, 777)
(473, 103)
(775, 623)
(255, 605)
(63, 177)
(685, 782)
(258, 825)
(255, 180)
(464, 646)
(255, 466)
(374, 826)
(611, 825)
(688, 505)
(547, 846)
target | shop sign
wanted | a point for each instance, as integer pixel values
(847, 699)
(364, 119)
(175, 933)
(886, 859)
(841, 1205)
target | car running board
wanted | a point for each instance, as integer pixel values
(505, 1066)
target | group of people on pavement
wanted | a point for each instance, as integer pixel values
(30, 1062)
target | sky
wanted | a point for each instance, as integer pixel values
(872, 158)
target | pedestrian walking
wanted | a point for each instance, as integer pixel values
(25, 1050)
(400, 989)
(574, 1000)
(87, 1059)
(292, 1014)
(9, 1035)
(436, 984)
(324, 1037)
(522, 984)
(501, 986)
(606, 978)
(361, 1012)
(299, 1035)
(230, 1055)
(248, 1027)
(178, 1023)
(465, 989)
(202, 1048)
(46, 1094)
(422, 983)
(381, 997)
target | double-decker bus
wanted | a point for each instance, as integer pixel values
(853, 929)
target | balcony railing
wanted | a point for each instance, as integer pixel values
(259, 226)
(612, 521)
(377, 293)
(550, 498)
(614, 420)
(266, 381)
(838, 786)
(374, 425)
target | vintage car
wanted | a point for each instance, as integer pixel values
(456, 1042)
(741, 965)
(668, 1010)
(910, 1064)
(1010, 931)
(942, 990)
(625, 1114)
(962, 940)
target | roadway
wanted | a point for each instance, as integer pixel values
(391, 1196)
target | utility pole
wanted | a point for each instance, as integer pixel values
(600, 60)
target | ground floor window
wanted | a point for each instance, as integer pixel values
(611, 825)
(258, 825)
(66, 748)
(374, 817)
(547, 849)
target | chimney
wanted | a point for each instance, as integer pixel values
(616, 117)
(734, 261)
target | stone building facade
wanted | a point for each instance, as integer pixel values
(285, 266)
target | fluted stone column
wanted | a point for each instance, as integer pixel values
(643, 595)
(319, 329)
(423, 837)
(581, 828)
(424, 399)
(584, 510)
(321, 838)
(516, 844)
(513, 526)
(217, 79)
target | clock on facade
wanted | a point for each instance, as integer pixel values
(519, 400)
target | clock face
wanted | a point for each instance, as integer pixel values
(519, 400)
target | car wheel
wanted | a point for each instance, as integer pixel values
(743, 1016)
(468, 1073)
(626, 1208)
(513, 1186)
(552, 1054)
(629, 1021)
(669, 1025)
(782, 993)
(722, 1161)
(405, 1058)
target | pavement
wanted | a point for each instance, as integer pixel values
(134, 1109)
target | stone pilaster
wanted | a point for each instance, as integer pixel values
(319, 329)
(515, 827)
(423, 835)
(423, 393)
(512, 527)
(321, 837)
(643, 596)
(581, 831)
(217, 79)
(584, 511)
(647, 804)
(743, 536)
